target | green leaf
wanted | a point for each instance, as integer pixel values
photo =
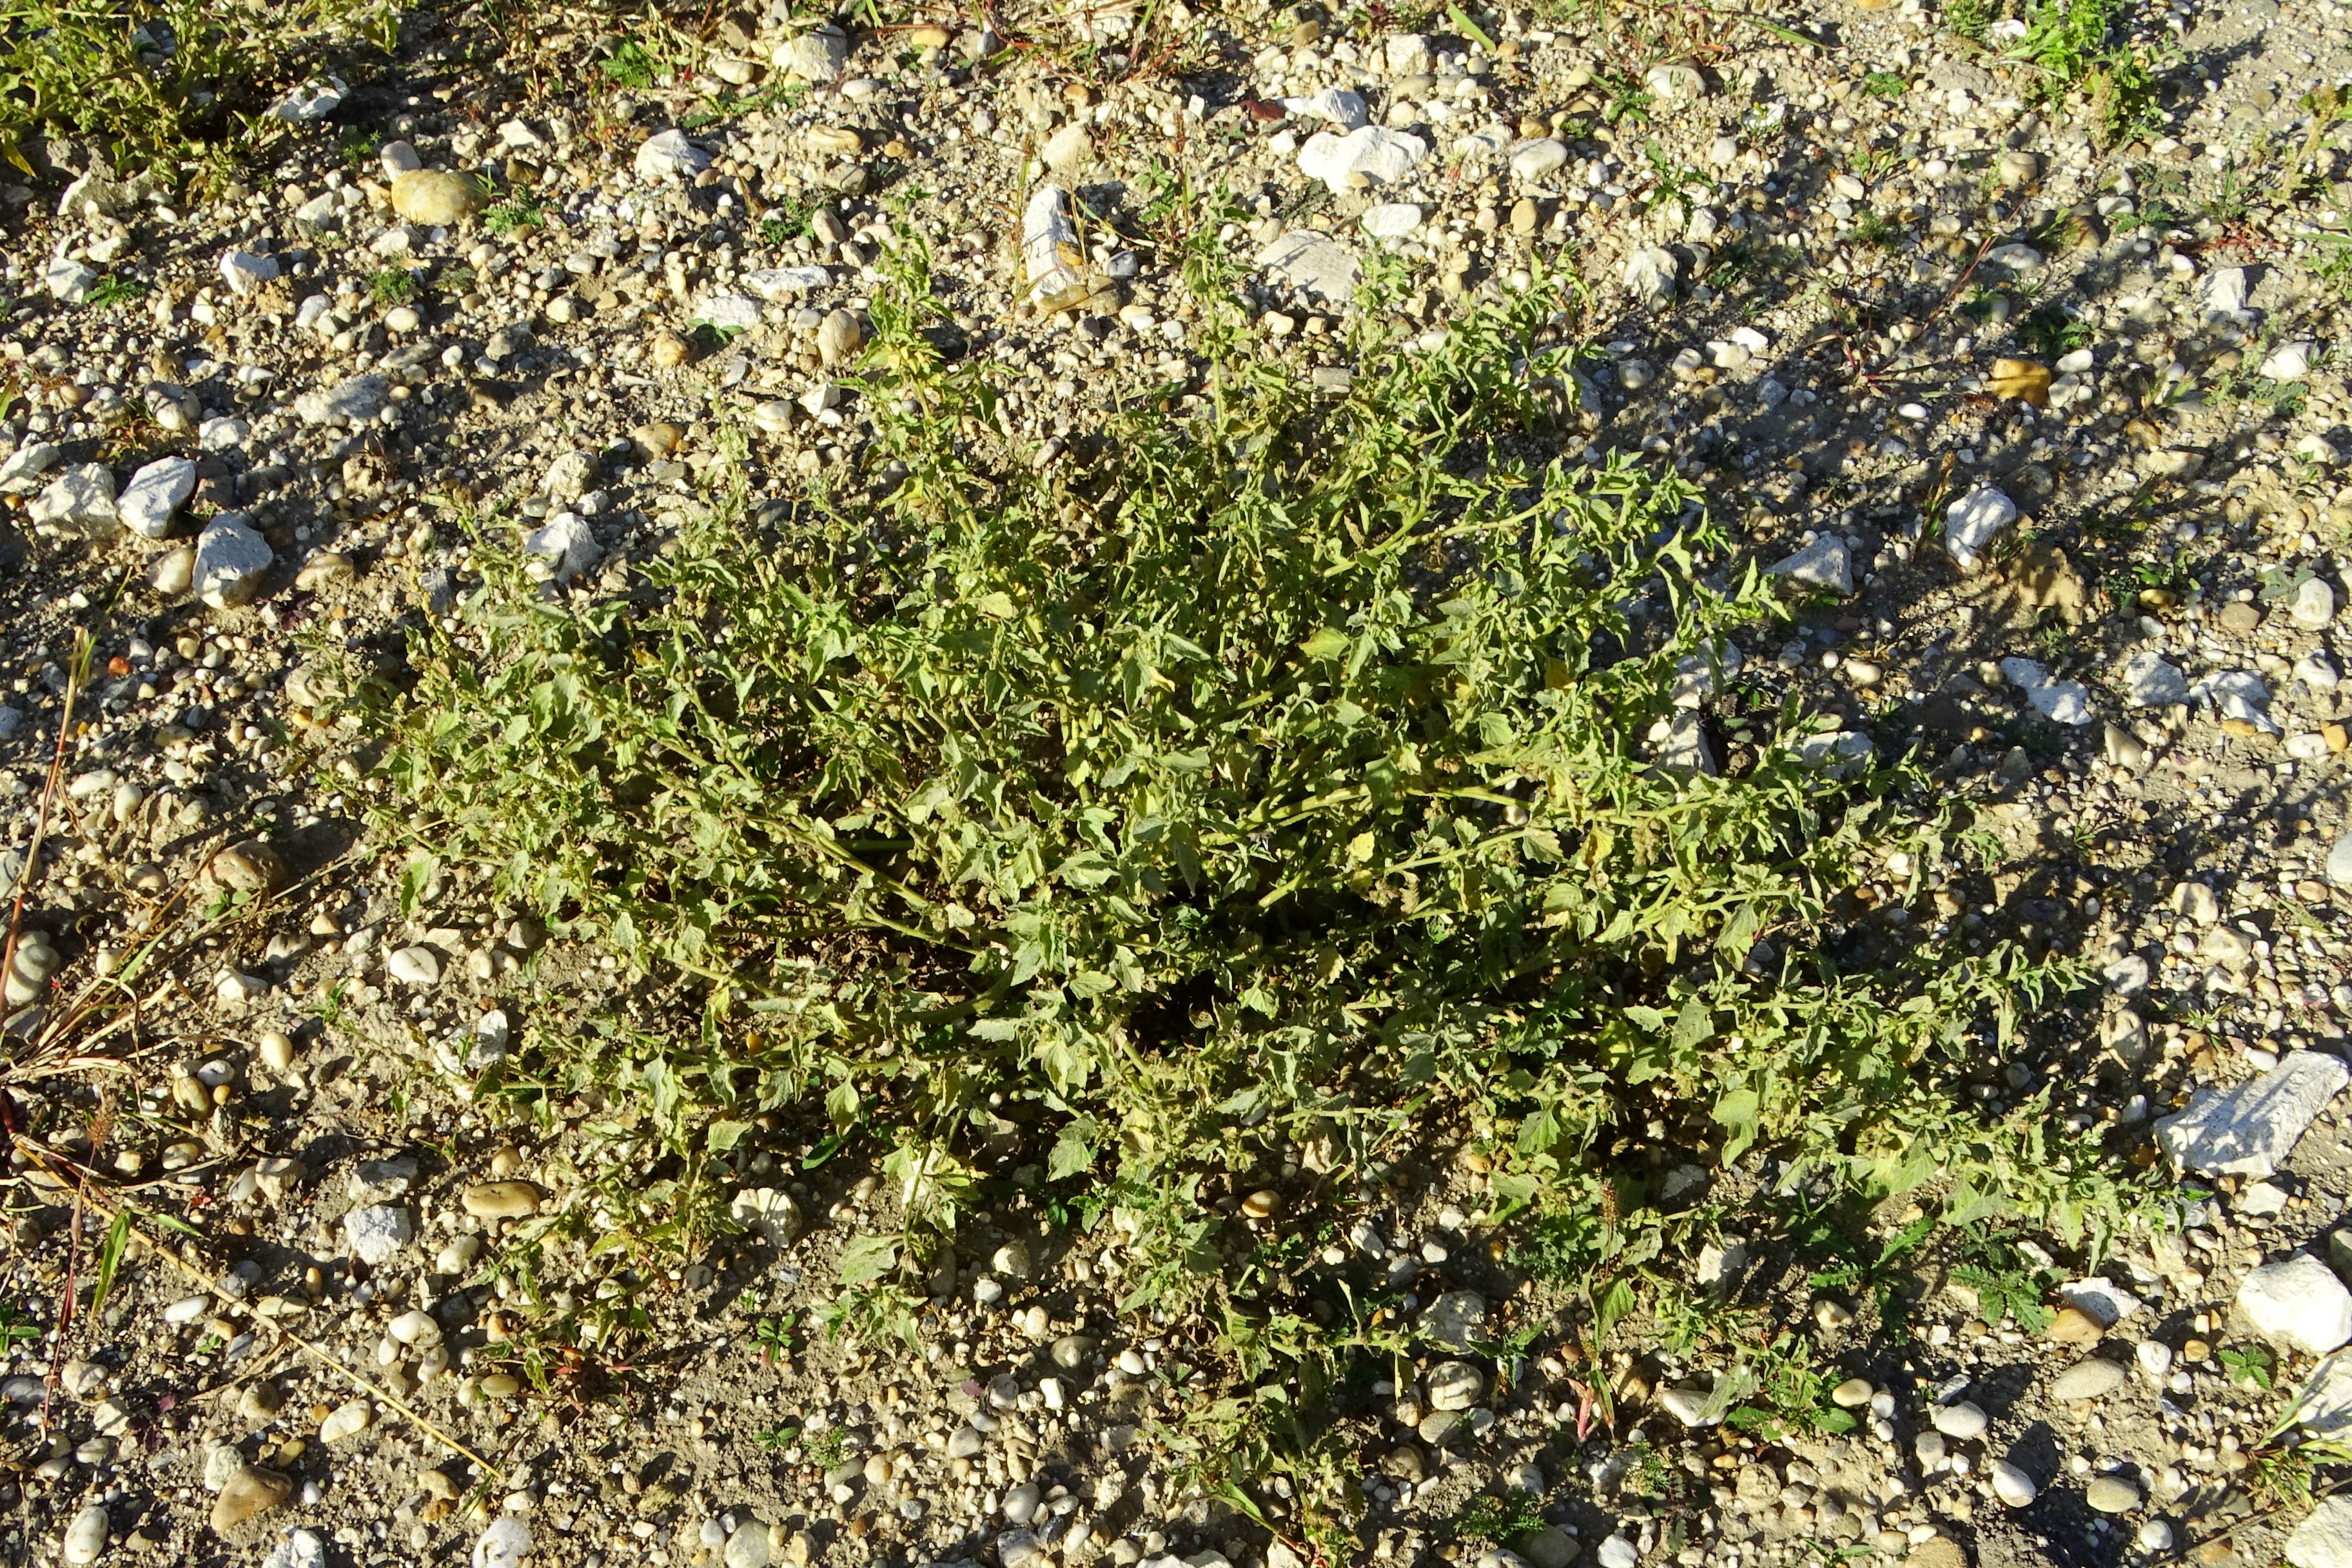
(1737, 1112)
(1071, 1153)
(723, 1135)
(868, 1257)
(1325, 644)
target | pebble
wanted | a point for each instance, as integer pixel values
(2111, 1494)
(346, 1421)
(1651, 275)
(85, 1540)
(2087, 1380)
(1824, 564)
(415, 965)
(2012, 1485)
(749, 1545)
(1963, 1422)
(434, 199)
(230, 562)
(1455, 1386)
(1852, 1393)
(377, 1233)
(502, 1200)
(668, 155)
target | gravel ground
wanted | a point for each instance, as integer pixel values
(2050, 434)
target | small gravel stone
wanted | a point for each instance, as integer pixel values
(1963, 1422)
(2087, 1380)
(377, 1233)
(231, 562)
(248, 1494)
(2111, 1494)
(2012, 1485)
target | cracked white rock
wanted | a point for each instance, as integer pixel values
(21, 472)
(772, 283)
(2250, 1129)
(2324, 1540)
(377, 1233)
(1972, 523)
(1537, 159)
(231, 562)
(355, 400)
(2060, 702)
(504, 1545)
(1314, 264)
(415, 965)
(1342, 107)
(1052, 259)
(668, 155)
(1392, 220)
(563, 549)
(244, 273)
(1652, 274)
(1381, 156)
(817, 56)
(2237, 694)
(70, 282)
(1680, 744)
(2298, 1303)
(155, 493)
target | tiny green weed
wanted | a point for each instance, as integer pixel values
(522, 210)
(1887, 85)
(392, 285)
(2006, 1284)
(114, 288)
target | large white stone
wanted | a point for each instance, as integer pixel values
(82, 496)
(2324, 1539)
(563, 549)
(2298, 1303)
(2237, 694)
(231, 560)
(2060, 702)
(1972, 523)
(2250, 1129)
(377, 1233)
(668, 155)
(504, 1545)
(155, 493)
(815, 56)
(353, 401)
(1652, 274)
(1381, 155)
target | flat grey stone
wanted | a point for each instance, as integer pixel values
(1314, 264)
(2087, 1380)
(354, 401)
(1824, 564)
(2152, 681)
(2249, 1130)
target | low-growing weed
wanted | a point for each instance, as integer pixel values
(162, 80)
(2007, 1283)
(1279, 776)
(1499, 1520)
(391, 284)
(521, 210)
(2074, 48)
(116, 290)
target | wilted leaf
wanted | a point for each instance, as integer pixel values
(2021, 379)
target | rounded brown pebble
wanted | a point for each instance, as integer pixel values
(2074, 1326)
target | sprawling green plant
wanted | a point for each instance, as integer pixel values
(1273, 779)
(156, 80)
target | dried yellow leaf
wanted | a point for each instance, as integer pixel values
(2021, 379)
